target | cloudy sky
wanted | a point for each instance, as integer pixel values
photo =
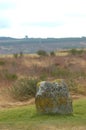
(43, 18)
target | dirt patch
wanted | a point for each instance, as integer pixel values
(74, 97)
(9, 104)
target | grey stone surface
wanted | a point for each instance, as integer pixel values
(53, 97)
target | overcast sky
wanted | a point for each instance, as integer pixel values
(43, 18)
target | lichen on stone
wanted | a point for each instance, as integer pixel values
(59, 81)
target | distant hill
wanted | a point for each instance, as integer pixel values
(31, 45)
(71, 39)
(7, 38)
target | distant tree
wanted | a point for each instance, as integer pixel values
(26, 36)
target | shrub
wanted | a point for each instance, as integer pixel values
(6, 75)
(21, 54)
(23, 89)
(72, 85)
(59, 72)
(15, 55)
(2, 62)
(75, 51)
(43, 76)
(42, 53)
(52, 53)
(81, 51)
(10, 76)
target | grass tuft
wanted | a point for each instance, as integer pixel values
(23, 89)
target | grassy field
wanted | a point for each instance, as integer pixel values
(26, 118)
(16, 114)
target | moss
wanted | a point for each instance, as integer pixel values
(58, 81)
(62, 100)
(38, 84)
(43, 103)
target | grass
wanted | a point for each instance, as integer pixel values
(26, 118)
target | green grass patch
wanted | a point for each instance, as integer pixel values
(26, 118)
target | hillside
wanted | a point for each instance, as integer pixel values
(10, 45)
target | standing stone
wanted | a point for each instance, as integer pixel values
(53, 97)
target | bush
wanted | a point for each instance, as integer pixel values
(7, 76)
(10, 76)
(59, 72)
(23, 89)
(52, 53)
(21, 54)
(15, 55)
(2, 62)
(75, 51)
(42, 53)
(43, 77)
(72, 85)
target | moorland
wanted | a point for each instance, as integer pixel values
(19, 75)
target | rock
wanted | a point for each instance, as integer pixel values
(53, 97)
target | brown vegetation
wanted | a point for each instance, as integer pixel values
(72, 68)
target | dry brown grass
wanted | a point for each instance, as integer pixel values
(49, 127)
(46, 128)
(45, 68)
(34, 65)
